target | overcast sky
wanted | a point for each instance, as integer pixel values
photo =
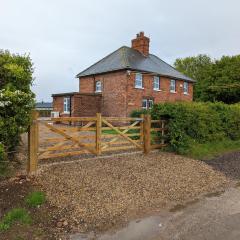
(64, 37)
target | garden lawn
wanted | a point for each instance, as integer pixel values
(210, 150)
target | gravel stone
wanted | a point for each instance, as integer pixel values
(103, 193)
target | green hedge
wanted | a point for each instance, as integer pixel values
(190, 123)
(195, 122)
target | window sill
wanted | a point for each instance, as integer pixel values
(66, 112)
(187, 94)
(157, 90)
(98, 91)
(173, 92)
(139, 87)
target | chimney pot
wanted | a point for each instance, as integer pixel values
(141, 43)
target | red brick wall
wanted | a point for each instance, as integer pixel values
(114, 86)
(81, 105)
(86, 105)
(58, 105)
(120, 97)
(135, 96)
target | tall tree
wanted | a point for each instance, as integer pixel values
(199, 69)
(217, 80)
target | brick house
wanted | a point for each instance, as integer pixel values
(127, 79)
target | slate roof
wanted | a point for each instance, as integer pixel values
(129, 58)
(43, 105)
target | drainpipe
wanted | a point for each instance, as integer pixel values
(70, 106)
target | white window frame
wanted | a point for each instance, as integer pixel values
(98, 86)
(66, 104)
(139, 80)
(150, 103)
(145, 101)
(173, 86)
(185, 88)
(156, 83)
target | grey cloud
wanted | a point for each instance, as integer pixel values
(65, 36)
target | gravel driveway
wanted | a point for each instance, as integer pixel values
(100, 194)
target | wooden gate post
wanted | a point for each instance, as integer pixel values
(163, 131)
(147, 133)
(98, 133)
(33, 144)
(142, 129)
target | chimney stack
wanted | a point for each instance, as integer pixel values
(141, 43)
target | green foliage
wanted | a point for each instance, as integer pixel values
(3, 164)
(191, 123)
(137, 113)
(35, 199)
(16, 98)
(2, 153)
(15, 215)
(217, 80)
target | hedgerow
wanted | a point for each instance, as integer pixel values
(196, 122)
(190, 123)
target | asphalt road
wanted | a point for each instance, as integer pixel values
(216, 217)
(213, 218)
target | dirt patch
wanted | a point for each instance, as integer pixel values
(102, 193)
(44, 218)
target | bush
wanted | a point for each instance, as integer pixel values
(35, 199)
(137, 113)
(15, 108)
(2, 153)
(15, 215)
(16, 98)
(3, 163)
(190, 123)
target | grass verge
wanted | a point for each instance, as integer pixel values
(15, 215)
(35, 199)
(210, 150)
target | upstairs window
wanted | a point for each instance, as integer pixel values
(156, 83)
(138, 80)
(185, 87)
(173, 86)
(66, 105)
(98, 86)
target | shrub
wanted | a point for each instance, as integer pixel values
(2, 153)
(15, 215)
(15, 107)
(190, 123)
(16, 98)
(35, 199)
(137, 113)
(3, 163)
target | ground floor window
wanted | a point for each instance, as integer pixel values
(66, 105)
(172, 85)
(147, 103)
(185, 87)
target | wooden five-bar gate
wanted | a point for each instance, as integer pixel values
(69, 136)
